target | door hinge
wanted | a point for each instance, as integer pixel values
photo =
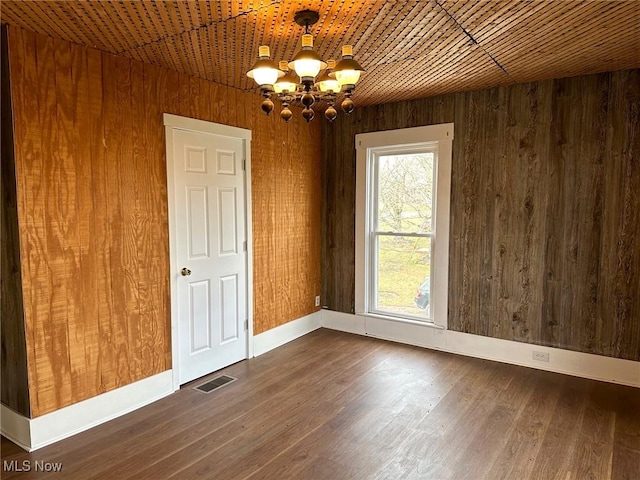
(244, 245)
(244, 164)
(246, 324)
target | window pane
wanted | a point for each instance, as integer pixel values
(405, 193)
(404, 266)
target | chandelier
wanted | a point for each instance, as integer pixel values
(300, 79)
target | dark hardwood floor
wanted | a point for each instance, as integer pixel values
(332, 405)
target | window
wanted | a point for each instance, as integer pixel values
(402, 223)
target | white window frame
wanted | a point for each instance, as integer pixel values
(396, 141)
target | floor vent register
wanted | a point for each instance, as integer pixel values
(215, 384)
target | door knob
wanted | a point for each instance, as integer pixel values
(185, 272)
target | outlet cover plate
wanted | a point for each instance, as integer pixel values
(540, 356)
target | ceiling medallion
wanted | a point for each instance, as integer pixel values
(300, 79)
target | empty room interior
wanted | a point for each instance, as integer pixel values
(320, 239)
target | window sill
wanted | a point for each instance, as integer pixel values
(392, 318)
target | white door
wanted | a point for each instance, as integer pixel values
(210, 251)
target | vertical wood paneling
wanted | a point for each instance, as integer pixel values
(310, 164)
(116, 88)
(467, 204)
(136, 238)
(88, 284)
(154, 295)
(623, 260)
(286, 192)
(52, 354)
(284, 198)
(13, 366)
(101, 234)
(69, 321)
(487, 199)
(545, 229)
(241, 103)
(265, 193)
(170, 95)
(24, 78)
(92, 212)
(232, 99)
(221, 104)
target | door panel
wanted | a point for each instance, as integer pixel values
(226, 162)
(229, 307)
(195, 159)
(210, 226)
(199, 314)
(228, 217)
(197, 214)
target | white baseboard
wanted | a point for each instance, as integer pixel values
(266, 341)
(32, 434)
(595, 367)
(345, 322)
(15, 427)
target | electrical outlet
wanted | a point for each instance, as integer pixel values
(540, 356)
(317, 300)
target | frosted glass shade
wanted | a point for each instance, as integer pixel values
(347, 71)
(287, 84)
(348, 77)
(326, 83)
(306, 68)
(265, 75)
(329, 86)
(307, 63)
(264, 71)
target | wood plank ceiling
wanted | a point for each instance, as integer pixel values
(410, 48)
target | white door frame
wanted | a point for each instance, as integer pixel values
(172, 122)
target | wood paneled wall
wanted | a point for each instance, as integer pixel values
(545, 212)
(92, 205)
(287, 213)
(13, 365)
